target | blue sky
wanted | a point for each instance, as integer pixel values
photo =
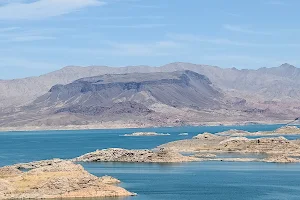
(40, 36)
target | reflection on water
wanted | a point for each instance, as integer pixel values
(241, 155)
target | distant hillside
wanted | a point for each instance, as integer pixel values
(268, 83)
(174, 94)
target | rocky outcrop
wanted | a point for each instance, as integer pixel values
(277, 145)
(205, 141)
(206, 136)
(138, 134)
(234, 132)
(109, 180)
(37, 164)
(57, 180)
(288, 130)
(125, 155)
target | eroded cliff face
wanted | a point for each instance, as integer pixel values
(55, 179)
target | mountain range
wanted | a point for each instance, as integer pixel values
(173, 94)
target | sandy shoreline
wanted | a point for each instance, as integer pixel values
(113, 125)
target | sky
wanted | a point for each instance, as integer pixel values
(40, 36)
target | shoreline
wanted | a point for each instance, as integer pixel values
(112, 126)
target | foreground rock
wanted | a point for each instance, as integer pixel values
(125, 155)
(9, 171)
(57, 180)
(137, 134)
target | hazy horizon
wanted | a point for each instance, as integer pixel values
(140, 66)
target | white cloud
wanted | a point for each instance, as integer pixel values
(159, 48)
(18, 34)
(204, 39)
(8, 29)
(145, 6)
(11, 62)
(241, 29)
(43, 8)
(112, 48)
(30, 38)
(104, 18)
(233, 14)
(134, 26)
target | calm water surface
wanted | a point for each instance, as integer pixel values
(198, 180)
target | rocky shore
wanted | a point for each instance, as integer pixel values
(142, 124)
(55, 179)
(125, 155)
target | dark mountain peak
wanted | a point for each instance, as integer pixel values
(184, 88)
(141, 77)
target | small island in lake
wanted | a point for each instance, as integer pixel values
(284, 130)
(140, 134)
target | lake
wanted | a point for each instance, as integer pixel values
(197, 180)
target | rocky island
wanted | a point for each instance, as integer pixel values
(284, 130)
(139, 134)
(125, 155)
(55, 179)
(275, 149)
(206, 147)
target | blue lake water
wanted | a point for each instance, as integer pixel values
(198, 180)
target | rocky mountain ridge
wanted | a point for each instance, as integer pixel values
(268, 83)
(175, 94)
